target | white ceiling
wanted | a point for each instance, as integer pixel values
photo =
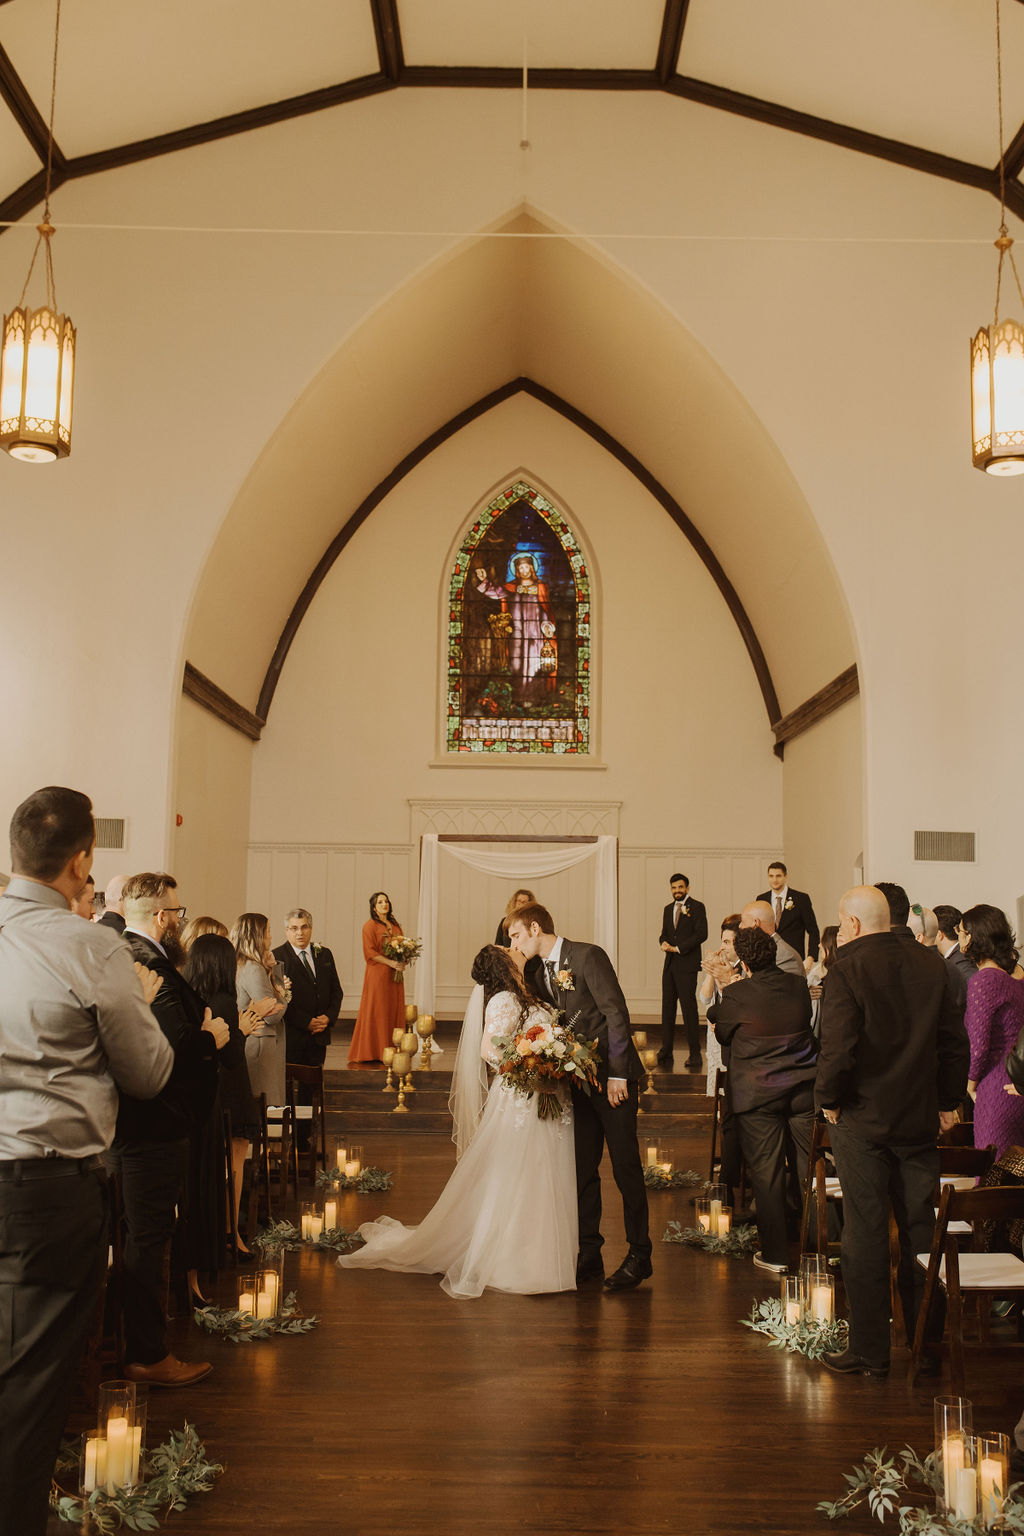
(918, 71)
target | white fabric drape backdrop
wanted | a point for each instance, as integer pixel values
(512, 866)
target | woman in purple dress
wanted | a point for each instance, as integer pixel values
(994, 1019)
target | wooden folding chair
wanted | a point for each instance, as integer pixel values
(314, 1154)
(716, 1156)
(820, 1186)
(974, 1273)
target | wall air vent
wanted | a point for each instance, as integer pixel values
(109, 831)
(944, 847)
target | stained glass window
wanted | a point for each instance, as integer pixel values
(519, 632)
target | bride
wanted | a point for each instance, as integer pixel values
(507, 1217)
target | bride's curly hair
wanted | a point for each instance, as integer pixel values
(496, 973)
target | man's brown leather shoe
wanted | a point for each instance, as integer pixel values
(169, 1372)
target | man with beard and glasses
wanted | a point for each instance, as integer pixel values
(150, 1148)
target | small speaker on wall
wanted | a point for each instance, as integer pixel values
(110, 831)
(944, 847)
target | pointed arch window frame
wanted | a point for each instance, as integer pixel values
(579, 753)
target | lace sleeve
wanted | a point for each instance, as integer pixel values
(500, 1018)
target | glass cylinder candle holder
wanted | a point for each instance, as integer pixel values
(813, 1267)
(953, 1430)
(702, 1209)
(116, 1414)
(316, 1224)
(724, 1221)
(247, 1288)
(993, 1474)
(268, 1293)
(792, 1297)
(821, 1299)
(411, 1013)
(343, 1152)
(354, 1162)
(307, 1210)
(652, 1157)
(92, 1465)
(330, 1214)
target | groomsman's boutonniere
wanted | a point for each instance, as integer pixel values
(316, 948)
(685, 912)
(789, 905)
(566, 981)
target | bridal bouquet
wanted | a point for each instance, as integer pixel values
(537, 1058)
(399, 947)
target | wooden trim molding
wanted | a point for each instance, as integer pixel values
(605, 440)
(672, 23)
(388, 32)
(838, 691)
(197, 686)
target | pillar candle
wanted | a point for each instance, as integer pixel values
(270, 1284)
(265, 1305)
(305, 1225)
(666, 1167)
(353, 1168)
(792, 1313)
(316, 1226)
(704, 1218)
(341, 1159)
(95, 1464)
(716, 1211)
(330, 1214)
(952, 1466)
(118, 1456)
(652, 1157)
(821, 1303)
(247, 1303)
(966, 1494)
(724, 1221)
(136, 1454)
(993, 1483)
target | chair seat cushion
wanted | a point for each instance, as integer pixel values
(984, 1271)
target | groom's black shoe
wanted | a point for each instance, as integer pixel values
(634, 1268)
(590, 1269)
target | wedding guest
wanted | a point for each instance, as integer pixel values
(259, 984)
(150, 1149)
(113, 904)
(81, 904)
(818, 969)
(724, 963)
(960, 966)
(891, 1073)
(197, 926)
(758, 914)
(520, 898)
(924, 925)
(994, 1019)
(765, 1019)
(75, 1014)
(382, 1005)
(211, 969)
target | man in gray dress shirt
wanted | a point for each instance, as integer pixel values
(74, 1025)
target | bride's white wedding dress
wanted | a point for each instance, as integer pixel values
(507, 1217)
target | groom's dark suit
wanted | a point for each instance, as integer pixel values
(596, 1009)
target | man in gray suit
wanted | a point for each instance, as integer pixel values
(758, 914)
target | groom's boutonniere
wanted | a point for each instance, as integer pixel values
(789, 905)
(566, 981)
(316, 948)
(686, 911)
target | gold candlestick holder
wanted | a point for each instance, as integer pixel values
(425, 1028)
(387, 1056)
(409, 1045)
(639, 1038)
(650, 1061)
(411, 1015)
(402, 1065)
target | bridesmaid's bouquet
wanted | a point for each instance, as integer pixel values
(538, 1058)
(399, 947)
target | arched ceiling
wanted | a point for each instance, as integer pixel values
(552, 312)
(912, 83)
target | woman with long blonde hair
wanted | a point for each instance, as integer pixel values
(261, 986)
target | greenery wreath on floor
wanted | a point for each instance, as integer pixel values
(657, 1178)
(243, 1328)
(176, 1471)
(883, 1482)
(370, 1182)
(737, 1243)
(807, 1337)
(283, 1235)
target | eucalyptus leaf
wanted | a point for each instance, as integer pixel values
(736, 1244)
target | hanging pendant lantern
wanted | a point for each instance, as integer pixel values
(37, 380)
(37, 349)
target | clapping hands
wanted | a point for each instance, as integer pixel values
(151, 982)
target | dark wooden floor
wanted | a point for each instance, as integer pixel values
(654, 1411)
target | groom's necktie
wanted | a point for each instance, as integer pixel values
(778, 910)
(549, 976)
(304, 956)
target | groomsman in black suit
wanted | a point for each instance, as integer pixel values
(794, 916)
(316, 991)
(580, 979)
(684, 929)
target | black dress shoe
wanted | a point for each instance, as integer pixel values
(850, 1364)
(665, 1063)
(693, 1063)
(590, 1269)
(634, 1268)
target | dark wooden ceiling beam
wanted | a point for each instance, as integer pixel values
(1014, 157)
(498, 77)
(893, 150)
(26, 197)
(227, 127)
(202, 690)
(25, 112)
(672, 24)
(841, 689)
(388, 32)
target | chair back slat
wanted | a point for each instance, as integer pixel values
(1002, 1202)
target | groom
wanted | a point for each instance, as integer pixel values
(579, 979)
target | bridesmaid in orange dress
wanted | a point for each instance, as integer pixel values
(382, 1007)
